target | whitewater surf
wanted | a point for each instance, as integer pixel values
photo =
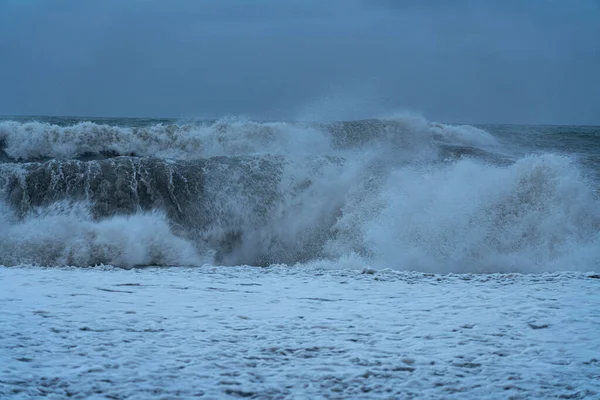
(401, 193)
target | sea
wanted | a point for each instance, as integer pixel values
(380, 258)
(400, 193)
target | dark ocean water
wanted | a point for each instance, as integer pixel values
(401, 193)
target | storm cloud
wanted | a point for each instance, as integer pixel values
(455, 61)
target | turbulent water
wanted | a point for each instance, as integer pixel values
(400, 193)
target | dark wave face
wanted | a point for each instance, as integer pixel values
(400, 193)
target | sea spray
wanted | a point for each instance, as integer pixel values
(398, 193)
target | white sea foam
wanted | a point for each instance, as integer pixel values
(66, 235)
(536, 215)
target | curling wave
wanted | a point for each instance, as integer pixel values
(400, 193)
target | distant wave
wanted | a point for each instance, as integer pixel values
(401, 193)
(38, 141)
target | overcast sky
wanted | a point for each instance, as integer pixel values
(514, 61)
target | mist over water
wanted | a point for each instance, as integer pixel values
(401, 193)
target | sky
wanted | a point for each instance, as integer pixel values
(472, 61)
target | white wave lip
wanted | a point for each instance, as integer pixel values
(391, 202)
(33, 140)
(227, 136)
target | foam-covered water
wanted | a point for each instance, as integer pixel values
(400, 193)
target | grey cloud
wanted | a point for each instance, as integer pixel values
(470, 61)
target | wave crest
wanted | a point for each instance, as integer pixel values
(39, 141)
(399, 193)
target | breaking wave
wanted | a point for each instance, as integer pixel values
(401, 193)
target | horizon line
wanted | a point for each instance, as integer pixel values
(90, 118)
